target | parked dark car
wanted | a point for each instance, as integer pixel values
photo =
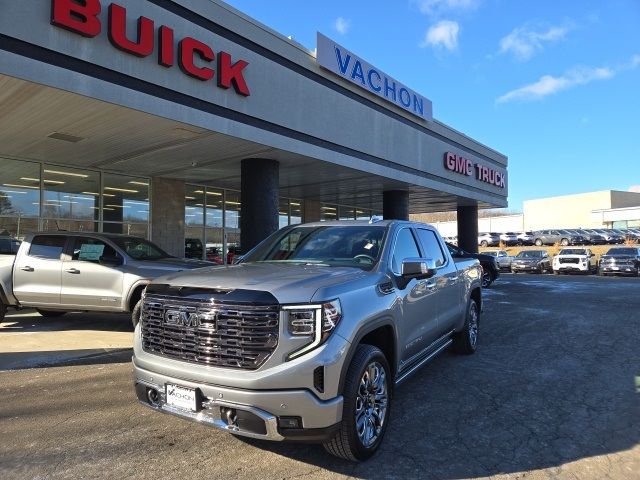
(590, 238)
(531, 261)
(490, 270)
(557, 236)
(610, 236)
(9, 245)
(620, 261)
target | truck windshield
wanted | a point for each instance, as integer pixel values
(622, 251)
(140, 249)
(353, 246)
(573, 251)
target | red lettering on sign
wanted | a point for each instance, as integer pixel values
(143, 46)
(82, 17)
(165, 46)
(188, 48)
(229, 74)
(78, 17)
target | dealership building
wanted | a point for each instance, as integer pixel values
(188, 122)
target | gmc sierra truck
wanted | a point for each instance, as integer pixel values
(62, 272)
(308, 336)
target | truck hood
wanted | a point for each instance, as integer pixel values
(288, 283)
(579, 257)
(172, 264)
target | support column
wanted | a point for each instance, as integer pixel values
(259, 201)
(395, 205)
(311, 212)
(167, 215)
(468, 228)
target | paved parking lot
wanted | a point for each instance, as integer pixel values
(553, 392)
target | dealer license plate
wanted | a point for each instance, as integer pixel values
(181, 397)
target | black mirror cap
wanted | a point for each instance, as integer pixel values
(111, 260)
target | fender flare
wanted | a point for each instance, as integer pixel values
(132, 289)
(366, 329)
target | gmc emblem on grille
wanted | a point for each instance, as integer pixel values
(182, 318)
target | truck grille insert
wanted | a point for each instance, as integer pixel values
(222, 335)
(569, 260)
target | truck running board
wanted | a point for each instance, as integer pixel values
(425, 356)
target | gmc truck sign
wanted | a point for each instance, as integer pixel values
(464, 166)
(195, 58)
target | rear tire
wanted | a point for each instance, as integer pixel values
(367, 398)
(484, 243)
(564, 242)
(50, 313)
(465, 342)
(487, 279)
(538, 242)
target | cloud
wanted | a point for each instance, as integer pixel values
(549, 85)
(443, 34)
(342, 25)
(434, 7)
(524, 42)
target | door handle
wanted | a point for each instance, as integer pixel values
(73, 270)
(27, 269)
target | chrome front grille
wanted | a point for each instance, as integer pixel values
(216, 334)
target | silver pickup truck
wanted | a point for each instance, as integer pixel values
(61, 272)
(307, 337)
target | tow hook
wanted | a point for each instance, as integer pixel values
(230, 416)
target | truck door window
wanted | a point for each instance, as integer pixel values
(405, 248)
(91, 249)
(431, 246)
(47, 247)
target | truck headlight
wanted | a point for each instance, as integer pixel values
(316, 322)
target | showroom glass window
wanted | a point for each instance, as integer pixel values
(19, 197)
(347, 213)
(328, 212)
(125, 205)
(194, 238)
(295, 211)
(283, 213)
(70, 199)
(232, 223)
(214, 233)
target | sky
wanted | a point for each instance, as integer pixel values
(554, 85)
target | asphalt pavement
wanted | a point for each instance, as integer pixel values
(553, 392)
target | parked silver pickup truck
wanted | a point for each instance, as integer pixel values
(61, 272)
(307, 337)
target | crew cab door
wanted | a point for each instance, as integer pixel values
(418, 325)
(85, 281)
(36, 273)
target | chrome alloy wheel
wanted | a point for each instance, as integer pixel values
(371, 404)
(473, 324)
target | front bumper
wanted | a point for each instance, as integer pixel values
(257, 412)
(619, 269)
(525, 268)
(571, 267)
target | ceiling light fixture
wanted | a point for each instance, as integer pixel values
(116, 189)
(20, 186)
(70, 174)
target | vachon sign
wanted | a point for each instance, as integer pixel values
(459, 164)
(194, 57)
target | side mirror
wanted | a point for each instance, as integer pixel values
(418, 268)
(111, 260)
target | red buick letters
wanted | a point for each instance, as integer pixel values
(195, 58)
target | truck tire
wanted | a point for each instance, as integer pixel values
(367, 406)
(135, 314)
(466, 341)
(50, 313)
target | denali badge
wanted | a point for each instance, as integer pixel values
(182, 318)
